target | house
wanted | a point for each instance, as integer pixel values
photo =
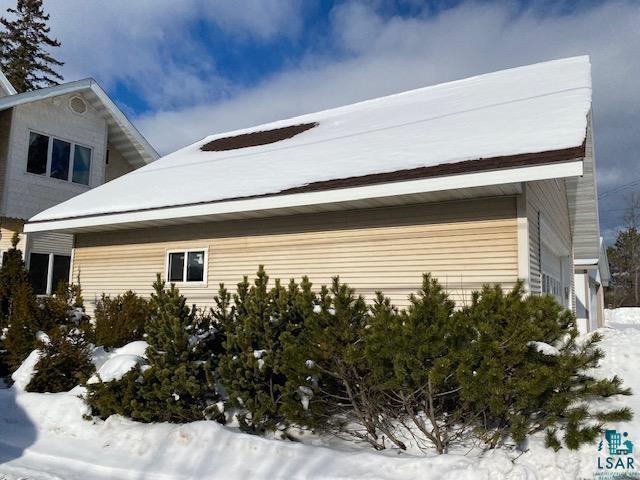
(483, 180)
(57, 143)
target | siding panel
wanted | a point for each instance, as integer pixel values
(546, 202)
(464, 244)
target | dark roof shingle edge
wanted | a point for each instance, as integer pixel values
(467, 166)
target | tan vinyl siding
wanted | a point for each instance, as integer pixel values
(464, 244)
(8, 227)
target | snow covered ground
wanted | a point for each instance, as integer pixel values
(44, 436)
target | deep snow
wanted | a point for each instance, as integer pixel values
(43, 436)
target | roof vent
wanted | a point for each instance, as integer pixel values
(253, 139)
(78, 105)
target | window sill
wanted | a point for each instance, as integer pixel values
(58, 180)
(189, 284)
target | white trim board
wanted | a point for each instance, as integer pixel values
(468, 180)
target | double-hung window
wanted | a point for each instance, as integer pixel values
(187, 266)
(47, 270)
(56, 158)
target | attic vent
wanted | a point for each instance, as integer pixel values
(78, 105)
(254, 139)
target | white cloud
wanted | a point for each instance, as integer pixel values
(389, 55)
(150, 45)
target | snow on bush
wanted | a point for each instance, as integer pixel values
(544, 348)
(24, 373)
(113, 365)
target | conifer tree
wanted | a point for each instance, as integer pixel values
(65, 361)
(20, 339)
(330, 384)
(411, 355)
(524, 371)
(18, 310)
(120, 319)
(24, 44)
(251, 366)
(12, 274)
(177, 385)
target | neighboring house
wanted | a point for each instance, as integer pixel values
(482, 180)
(56, 143)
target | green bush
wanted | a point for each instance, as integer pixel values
(251, 363)
(524, 371)
(20, 339)
(498, 370)
(65, 362)
(378, 373)
(17, 308)
(120, 320)
(177, 385)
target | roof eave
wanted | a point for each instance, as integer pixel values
(311, 199)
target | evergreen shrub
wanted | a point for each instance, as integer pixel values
(120, 320)
(177, 384)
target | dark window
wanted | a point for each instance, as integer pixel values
(60, 154)
(61, 266)
(39, 272)
(37, 157)
(81, 164)
(195, 266)
(176, 267)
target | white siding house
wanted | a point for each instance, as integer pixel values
(56, 143)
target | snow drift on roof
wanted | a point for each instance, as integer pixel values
(537, 108)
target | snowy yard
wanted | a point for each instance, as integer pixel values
(44, 436)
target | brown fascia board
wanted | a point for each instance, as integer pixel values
(467, 166)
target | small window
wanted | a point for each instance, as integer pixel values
(195, 266)
(176, 267)
(60, 273)
(38, 152)
(47, 270)
(39, 272)
(60, 156)
(186, 266)
(81, 165)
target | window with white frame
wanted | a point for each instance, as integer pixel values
(57, 158)
(187, 266)
(47, 270)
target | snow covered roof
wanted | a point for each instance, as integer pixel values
(533, 115)
(5, 86)
(122, 134)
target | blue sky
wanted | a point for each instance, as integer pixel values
(183, 70)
